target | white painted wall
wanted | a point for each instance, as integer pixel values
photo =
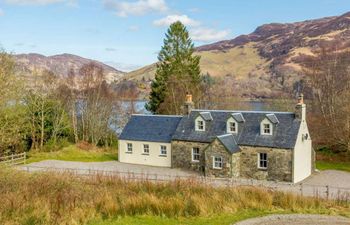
(138, 157)
(302, 155)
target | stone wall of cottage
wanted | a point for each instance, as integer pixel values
(181, 155)
(217, 149)
(279, 164)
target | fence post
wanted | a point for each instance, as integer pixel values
(327, 191)
(301, 189)
(25, 157)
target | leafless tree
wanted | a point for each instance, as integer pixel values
(329, 75)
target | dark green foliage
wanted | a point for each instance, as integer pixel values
(178, 72)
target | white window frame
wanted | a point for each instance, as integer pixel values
(146, 146)
(163, 150)
(129, 147)
(220, 163)
(195, 154)
(229, 130)
(199, 127)
(263, 129)
(262, 160)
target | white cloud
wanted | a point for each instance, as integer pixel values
(166, 21)
(206, 34)
(1, 12)
(40, 2)
(139, 7)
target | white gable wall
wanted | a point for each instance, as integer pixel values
(302, 157)
(138, 157)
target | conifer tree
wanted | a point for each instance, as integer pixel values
(177, 73)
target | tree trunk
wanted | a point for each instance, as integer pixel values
(42, 127)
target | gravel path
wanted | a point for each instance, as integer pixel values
(105, 166)
(296, 219)
(334, 178)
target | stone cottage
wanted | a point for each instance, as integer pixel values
(223, 143)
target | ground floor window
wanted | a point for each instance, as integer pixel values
(146, 149)
(195, 154)
(217, 162)
(262, 160)
(163, 150)
(129, 147)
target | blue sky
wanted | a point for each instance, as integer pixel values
(128, 34)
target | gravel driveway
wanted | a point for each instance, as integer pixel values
(296, 219)
(116, 166)
(333, 178)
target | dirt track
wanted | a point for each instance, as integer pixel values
(296, 219)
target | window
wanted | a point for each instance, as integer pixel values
(232, 127)
(129, 147)
(195, 154)
(146, 149)
(266, 128)
(200, 126)
(217, 162)
(262, 161)
(163, 150)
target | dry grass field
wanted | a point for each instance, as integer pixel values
(51, 198)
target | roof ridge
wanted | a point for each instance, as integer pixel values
(242, 111)
(224, 135)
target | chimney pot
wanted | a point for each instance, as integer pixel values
(188, 98)
(301, 99)
(300, 109)
(189, 105)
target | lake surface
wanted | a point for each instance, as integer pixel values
(245, 105)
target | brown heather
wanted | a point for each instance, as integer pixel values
(51, 198)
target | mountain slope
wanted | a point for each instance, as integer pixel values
(60, 65)
(267, 62)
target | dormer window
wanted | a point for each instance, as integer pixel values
(232, 126)
(268, 124)
(201, 120)
(200, 124)
(267, 128)
(233, 122)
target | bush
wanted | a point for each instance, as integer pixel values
(53, 146)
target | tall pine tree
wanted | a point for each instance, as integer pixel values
(177, 73)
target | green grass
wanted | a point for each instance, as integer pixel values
(221, 219)
(73, 153)
(323, 165)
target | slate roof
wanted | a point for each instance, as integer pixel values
(150, 128)
(229, 142)
(238, 117)
(206, 116)
(284, 133)
(272, 118)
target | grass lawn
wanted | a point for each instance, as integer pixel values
(323, 165)
(222, 219)
(73, 153)
(328, 160)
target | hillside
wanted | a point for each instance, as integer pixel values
(267, 62)
(60, 65)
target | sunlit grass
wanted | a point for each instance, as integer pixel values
(323, 165)
(52, 198)
(73, 153)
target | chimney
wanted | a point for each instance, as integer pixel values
(300, 109)
(189, 105)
